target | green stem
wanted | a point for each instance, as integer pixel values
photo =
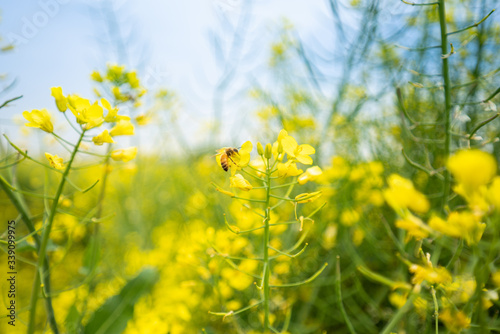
(399, 314)
(21, 207)
(436, 309)
(43, 248)
(447, 98)
(267, 268)
(339, 299)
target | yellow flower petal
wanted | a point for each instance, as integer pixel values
(125, 154)
(304, 159)
(39, 119)
(432, 275)
(472, 168)
(238, 181)
(401, 195)
(289, 145)
(288, 169)
(282, 135)
(96, 76)
(455, 321)
(55, 161)
(494, 193)
(460, 225)
(306, 149)
(102, 138)
(122, 128)
(311, 174)
(61, 101)
(244, 154)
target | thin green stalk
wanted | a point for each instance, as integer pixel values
(104, 181)
(472, 25)
(43, 247)
(447, 98)
(436, 309)
(267, 268)
(399, 314)
(339, 299)
(21, 207)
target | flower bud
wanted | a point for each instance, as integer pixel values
(260, 149)
(269, 151)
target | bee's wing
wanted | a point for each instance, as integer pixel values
(216, 154)
(219, 152)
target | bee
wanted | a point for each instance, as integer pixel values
(226, 155)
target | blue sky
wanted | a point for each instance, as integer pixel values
(59, 43)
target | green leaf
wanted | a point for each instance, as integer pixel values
(72, 320)
(91, 257)
(112, 317)
(25, 246)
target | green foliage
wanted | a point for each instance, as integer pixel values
(113, 315)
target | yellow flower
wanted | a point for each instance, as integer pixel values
(307, 197)
(494, 193)
(340, 168)
(300, 153)
(460, 290)
(414, 226)
(460, 225)
(238, 279)
(239, 160)
(349, 217)
(244, 154)
(358, 236)
(420, 305)
(55, 161)
(238, 181)
(477, 198)
(143, 119)
(454, 320)
(96, 76)
(61, 101)
(330, 236)
(112, 115)
(401, 195)
(288, 168)
(472, 168)
(311, 174)
(125, 154)
(440, 225)
(437, 275)
(117, 94)
(39, 119)
(495, 278)
(122, 128)
(132, 80)
(104, 137)
(398, 299)
(91, 115)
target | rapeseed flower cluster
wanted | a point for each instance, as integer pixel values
(124, 85)
(89, 116)
(476, 183)
(277, 162)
